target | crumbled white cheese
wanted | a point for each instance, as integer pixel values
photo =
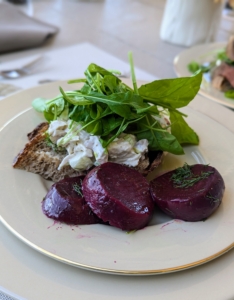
(85, 150)
(80, 159)
(126, 150)
(56, 130)
(100, 154)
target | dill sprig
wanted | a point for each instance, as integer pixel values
(213, 199)
(77, 188)
(53, 146)
(184, 178)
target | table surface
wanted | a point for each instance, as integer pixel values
(114, 26)
(44, 278)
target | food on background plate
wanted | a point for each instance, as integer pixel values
(106, 120)
(189, 193)
(220, 70)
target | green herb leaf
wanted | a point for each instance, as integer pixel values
(78, 188)
(105, 106)
(39, 104)
(193, 67)
(229, 94)
(185, 178)
(172, 93)
(158, 138)
(181, 130)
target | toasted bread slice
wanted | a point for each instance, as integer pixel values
(39, 158)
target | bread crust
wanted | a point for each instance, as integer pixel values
(39, 158)
(41, 128)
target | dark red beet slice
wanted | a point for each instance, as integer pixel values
(64, 202)
(192, 203)
(119, 195)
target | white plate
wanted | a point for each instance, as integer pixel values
(201, 54)
(165, 246)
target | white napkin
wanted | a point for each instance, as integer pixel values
(19, 31)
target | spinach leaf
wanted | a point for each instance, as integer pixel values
(159, 138)
(181, 130)
(171, 93)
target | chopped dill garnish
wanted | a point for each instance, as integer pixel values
(212, 198)
(184, 178)
(77, 188)
(53, 146)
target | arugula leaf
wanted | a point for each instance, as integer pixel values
(94, 69)
(123, 126)
(119, 103)
(77, 80)
(51, 109)
(80, 113)
(110, 84)
(39, 104)
(110, 123)
(75, 98)
(134, 82)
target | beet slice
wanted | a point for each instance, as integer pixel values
(190, 193)
(119, 195)
(65, 202)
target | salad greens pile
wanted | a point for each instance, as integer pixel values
(220, 56)
(106, 107)
(208, 67)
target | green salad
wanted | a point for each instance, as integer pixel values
(220, 57)
(106, 107)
